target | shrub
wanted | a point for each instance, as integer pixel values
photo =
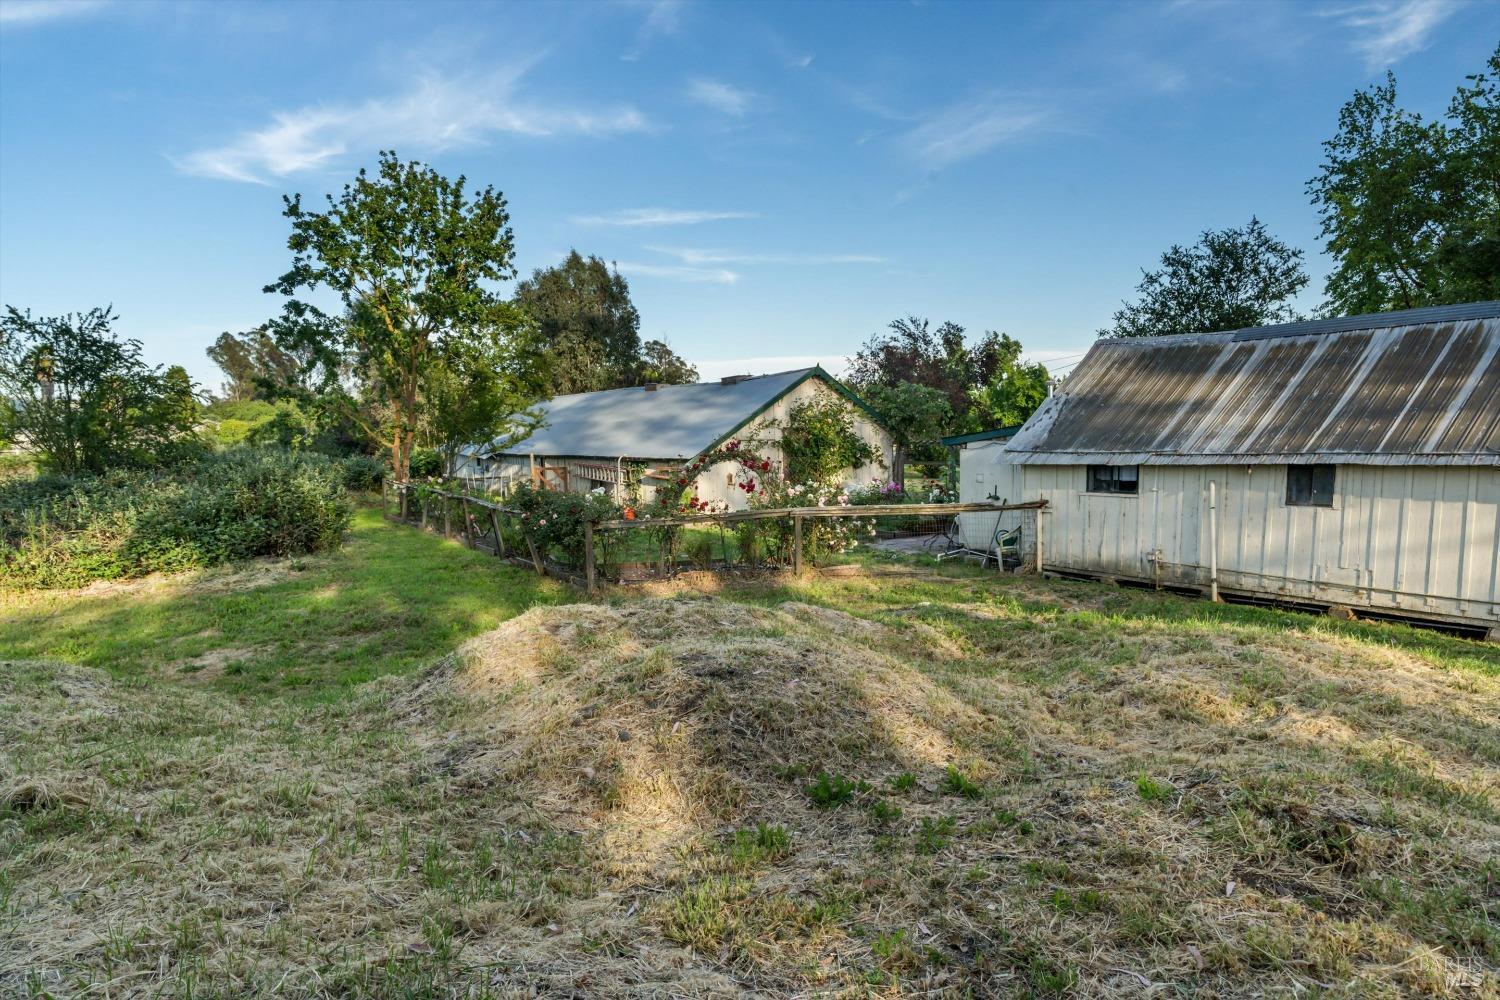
(63, 532)
(426, 463)
(362, 473)
(554, 519)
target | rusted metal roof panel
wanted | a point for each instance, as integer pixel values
(1420, 387)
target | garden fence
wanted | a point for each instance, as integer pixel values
(634, 550)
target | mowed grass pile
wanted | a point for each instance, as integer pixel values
(898, 784)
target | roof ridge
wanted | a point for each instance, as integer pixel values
(1317, 327)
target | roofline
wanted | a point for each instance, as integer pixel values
(1313, 327)
(815, 371)
(997, 432)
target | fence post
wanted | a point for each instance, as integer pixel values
(422, 502)
(536, 558)
(797, 544)
(447, 517)
(588, 555)
(499, 539)
(467, 533)
(401, 491)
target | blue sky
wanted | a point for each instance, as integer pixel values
(777, 181)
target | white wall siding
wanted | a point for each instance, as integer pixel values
(1418, 540)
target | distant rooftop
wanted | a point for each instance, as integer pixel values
(661, 422)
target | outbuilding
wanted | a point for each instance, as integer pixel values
(1348, 463)
(631, 440)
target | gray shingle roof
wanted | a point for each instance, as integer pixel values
(1420, 387)
(670, 422)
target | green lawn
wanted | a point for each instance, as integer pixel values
(928, 779)
(391, 599)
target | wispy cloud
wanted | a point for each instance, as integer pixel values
(701, 257)
(657, 217)
(1388, 31)
(720, 96)
(972, 127)
(673, 272)
(437, 113)
(663, 17)
(18, 12)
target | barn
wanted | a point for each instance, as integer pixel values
(1350, 464)
(617, 439)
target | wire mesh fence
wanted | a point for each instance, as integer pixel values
(639, 549)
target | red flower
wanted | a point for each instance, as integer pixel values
(765, 466)
(682, 482)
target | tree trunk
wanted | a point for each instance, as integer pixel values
(898, 466)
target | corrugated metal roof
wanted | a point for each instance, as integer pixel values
(1420, 387)
(669, 422)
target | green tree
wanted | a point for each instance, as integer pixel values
(254, 364)
(589, 329)
(412, 255)
(85, 400)
(480, 391)
(1410, 209)
(1229, 279)
(916, 415)
(1013, 393)
(660, 364)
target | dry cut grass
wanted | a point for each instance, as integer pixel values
(692, 796)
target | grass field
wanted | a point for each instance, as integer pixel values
(407, 770)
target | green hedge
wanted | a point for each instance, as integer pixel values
(61, 532)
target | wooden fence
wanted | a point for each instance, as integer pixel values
(483, 524)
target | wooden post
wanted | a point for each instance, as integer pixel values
(588, 555)
(422, 502)
(499, 538)
(447, 517)
(464, 510)
(797, 544)
(401, 489)
(536, 557)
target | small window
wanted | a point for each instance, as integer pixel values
(1309, 485)
(1114, 478)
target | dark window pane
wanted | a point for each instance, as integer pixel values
(1310, 485)
(1113, 478)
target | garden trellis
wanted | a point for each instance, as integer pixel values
(642, 548)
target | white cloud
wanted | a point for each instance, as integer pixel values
(657, 217)
(720, 96)
(16, 12)
(701, 257)
(663, 17)
(437, 113)
(712, 371)
(674, 272)
(1387, 31)
(972, 127)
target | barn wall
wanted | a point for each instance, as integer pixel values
(1419, 540)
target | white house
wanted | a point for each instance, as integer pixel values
(602, 439)
(1351, 462)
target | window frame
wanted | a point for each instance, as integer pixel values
(1111, 485)
(1311, 496)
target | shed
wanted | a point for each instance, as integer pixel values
(600, 439)
(1349, 462)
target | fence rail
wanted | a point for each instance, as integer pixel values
(772, 538)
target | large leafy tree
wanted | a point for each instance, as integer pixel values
(481, 389)
(254, 365)
(1230, 278)
(1013, 392)
(589, 329)
(1411, 208)
(916, 416)
(660, 364)
(910, 350)
(413, 256)
(85, 399)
